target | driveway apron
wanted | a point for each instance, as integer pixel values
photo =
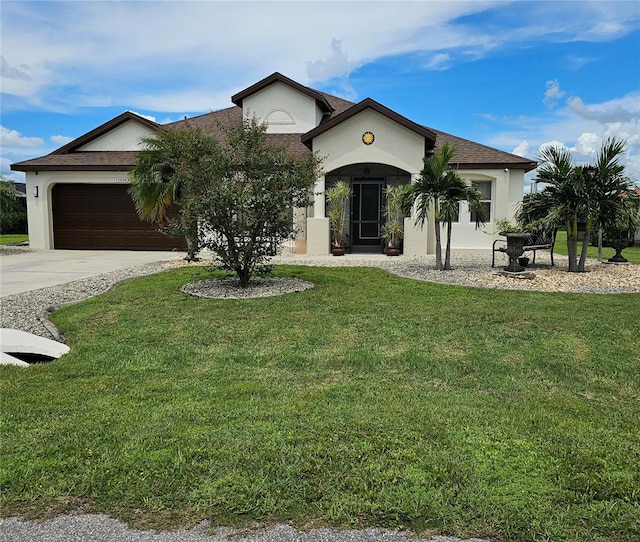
(31, 270)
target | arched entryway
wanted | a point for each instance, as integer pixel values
(368, 183)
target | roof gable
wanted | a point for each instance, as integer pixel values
(320, 98)
(368, 103)
(104, 129)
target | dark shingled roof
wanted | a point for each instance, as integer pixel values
(468, 153)
(232, 118)
(471, 154)
(80, 161)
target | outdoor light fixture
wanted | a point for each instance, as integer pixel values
(35, 191)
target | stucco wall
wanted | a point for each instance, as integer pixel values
(506, 193)
(284, 108)
(125, 137)
(394, 144)
(39, 209)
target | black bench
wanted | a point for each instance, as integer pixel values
(537, 240)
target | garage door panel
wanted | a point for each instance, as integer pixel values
(94, 216)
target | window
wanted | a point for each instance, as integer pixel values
(484, 187)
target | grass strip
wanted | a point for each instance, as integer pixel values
(630, 253)
(6, 238)
(368, 400)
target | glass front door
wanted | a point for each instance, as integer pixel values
(366, 213)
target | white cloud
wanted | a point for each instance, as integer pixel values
(439, 61)
(620, 110)
(552, 143)
(587, 143)
(14, 72)
(487, 116)
(522, 149)
(581, 128)
(61, 140)
(552, 94)
(196, 99)
(5, 170)
(336, 65)
(205, 48)
(13, 138)
(576, 62)
(148, 117)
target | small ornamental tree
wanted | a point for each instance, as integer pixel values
(13, 211)
(246, 192)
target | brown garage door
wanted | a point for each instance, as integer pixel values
(102, 216)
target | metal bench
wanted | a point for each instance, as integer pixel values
(537, 240)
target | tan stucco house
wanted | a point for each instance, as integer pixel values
(77, 195)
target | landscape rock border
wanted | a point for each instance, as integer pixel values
(258, 287)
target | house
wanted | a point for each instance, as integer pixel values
(77, 195)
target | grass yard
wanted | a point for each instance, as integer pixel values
(6, 238)
(370, 400)
(631, 253)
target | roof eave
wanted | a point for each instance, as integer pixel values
(526, 166)
(367, 103)
(77, 167)
(322, 102)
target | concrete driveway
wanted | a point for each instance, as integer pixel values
(26, 271)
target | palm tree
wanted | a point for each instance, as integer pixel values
(583, 193)
(610, 189)
(439, 189)
(164, 176)
(457, 192)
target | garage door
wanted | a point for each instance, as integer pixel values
(102, 216)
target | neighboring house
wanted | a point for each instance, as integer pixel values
(77, 195)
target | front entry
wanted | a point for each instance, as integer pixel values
(366, 215)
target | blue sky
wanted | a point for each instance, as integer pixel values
(513, 75)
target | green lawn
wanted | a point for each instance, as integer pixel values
(6, 238)
(370, 400)
(632, 253)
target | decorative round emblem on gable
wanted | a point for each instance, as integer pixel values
(368, 138)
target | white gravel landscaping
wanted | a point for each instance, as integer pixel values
(27, 311)
(101, 528)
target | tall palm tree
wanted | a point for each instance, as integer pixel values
(609, 187)
(439, 189)
(457, 192)
(560, 195)
(583, 193)
(164, 176)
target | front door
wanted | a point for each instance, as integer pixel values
(366, 214)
